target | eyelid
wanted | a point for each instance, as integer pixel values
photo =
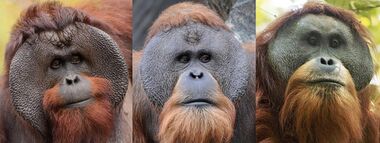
(53, 63)
(312, 34)
(76, 57)
(339, 37)
(181, 56)
(205, 55)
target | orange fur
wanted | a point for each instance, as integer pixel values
(205, 121)
(93, 123)
(197, 124)
(113, 17)
(250, 46)
(316, 113)
(270, 98)
(141, 104)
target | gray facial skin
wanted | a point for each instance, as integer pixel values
(313, 36)
(164, 54)
(31, 72)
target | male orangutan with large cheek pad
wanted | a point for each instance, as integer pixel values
(67, 78)
(313, 65)
(79, 107)
(195, 76)
(199, 108)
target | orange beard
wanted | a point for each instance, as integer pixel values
(92, 123)
(321, 113)
(196, 124)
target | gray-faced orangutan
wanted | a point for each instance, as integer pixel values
(192, 81)
(67, 72)
(313, 69)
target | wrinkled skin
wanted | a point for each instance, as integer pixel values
(190, 51)
(41, 51)
(314, 35)
(66, 78)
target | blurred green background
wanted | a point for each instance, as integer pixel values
(368, 12)
(10, 11)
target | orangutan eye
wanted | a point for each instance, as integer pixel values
(185, 58)
(205, 58)
(76, 59)
(56, 63)
(334, 43)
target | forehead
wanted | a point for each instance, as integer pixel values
(322, 23)
(192, 36)
(194, 33)
(59, 38)
(72, 39)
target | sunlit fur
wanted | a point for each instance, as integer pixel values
(189, 124)
(92, 123)
(320, 113)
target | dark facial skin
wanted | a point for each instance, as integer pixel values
(315, 36)
(193, 48)
(199, 86)
(198, 59)
(75, 91)
(64, 57)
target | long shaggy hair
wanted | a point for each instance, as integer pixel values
(92, 123)
(270, 93)
(197, 124)
(321, 113)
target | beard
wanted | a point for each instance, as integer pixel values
(321, 112)
(91, 123)
(188, 124)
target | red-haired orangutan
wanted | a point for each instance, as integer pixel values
(191, 81)
(313, 66)
(67, 74)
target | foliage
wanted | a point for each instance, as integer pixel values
(369, 14)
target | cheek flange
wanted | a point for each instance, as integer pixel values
(231, 70)
(28, 80)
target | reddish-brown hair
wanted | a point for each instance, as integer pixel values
(264, 76)
(320, 114)
(182, 13)
(113, 17)
(175, 16)
(269, 92)
(93, 123)
(189, 124)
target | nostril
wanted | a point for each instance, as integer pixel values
(72, 79)
(76, 79)
(323, 61)
(69, 81)
(200, 75)
(196, 75)
(330, 62)
(327, 64)
(192, 75)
